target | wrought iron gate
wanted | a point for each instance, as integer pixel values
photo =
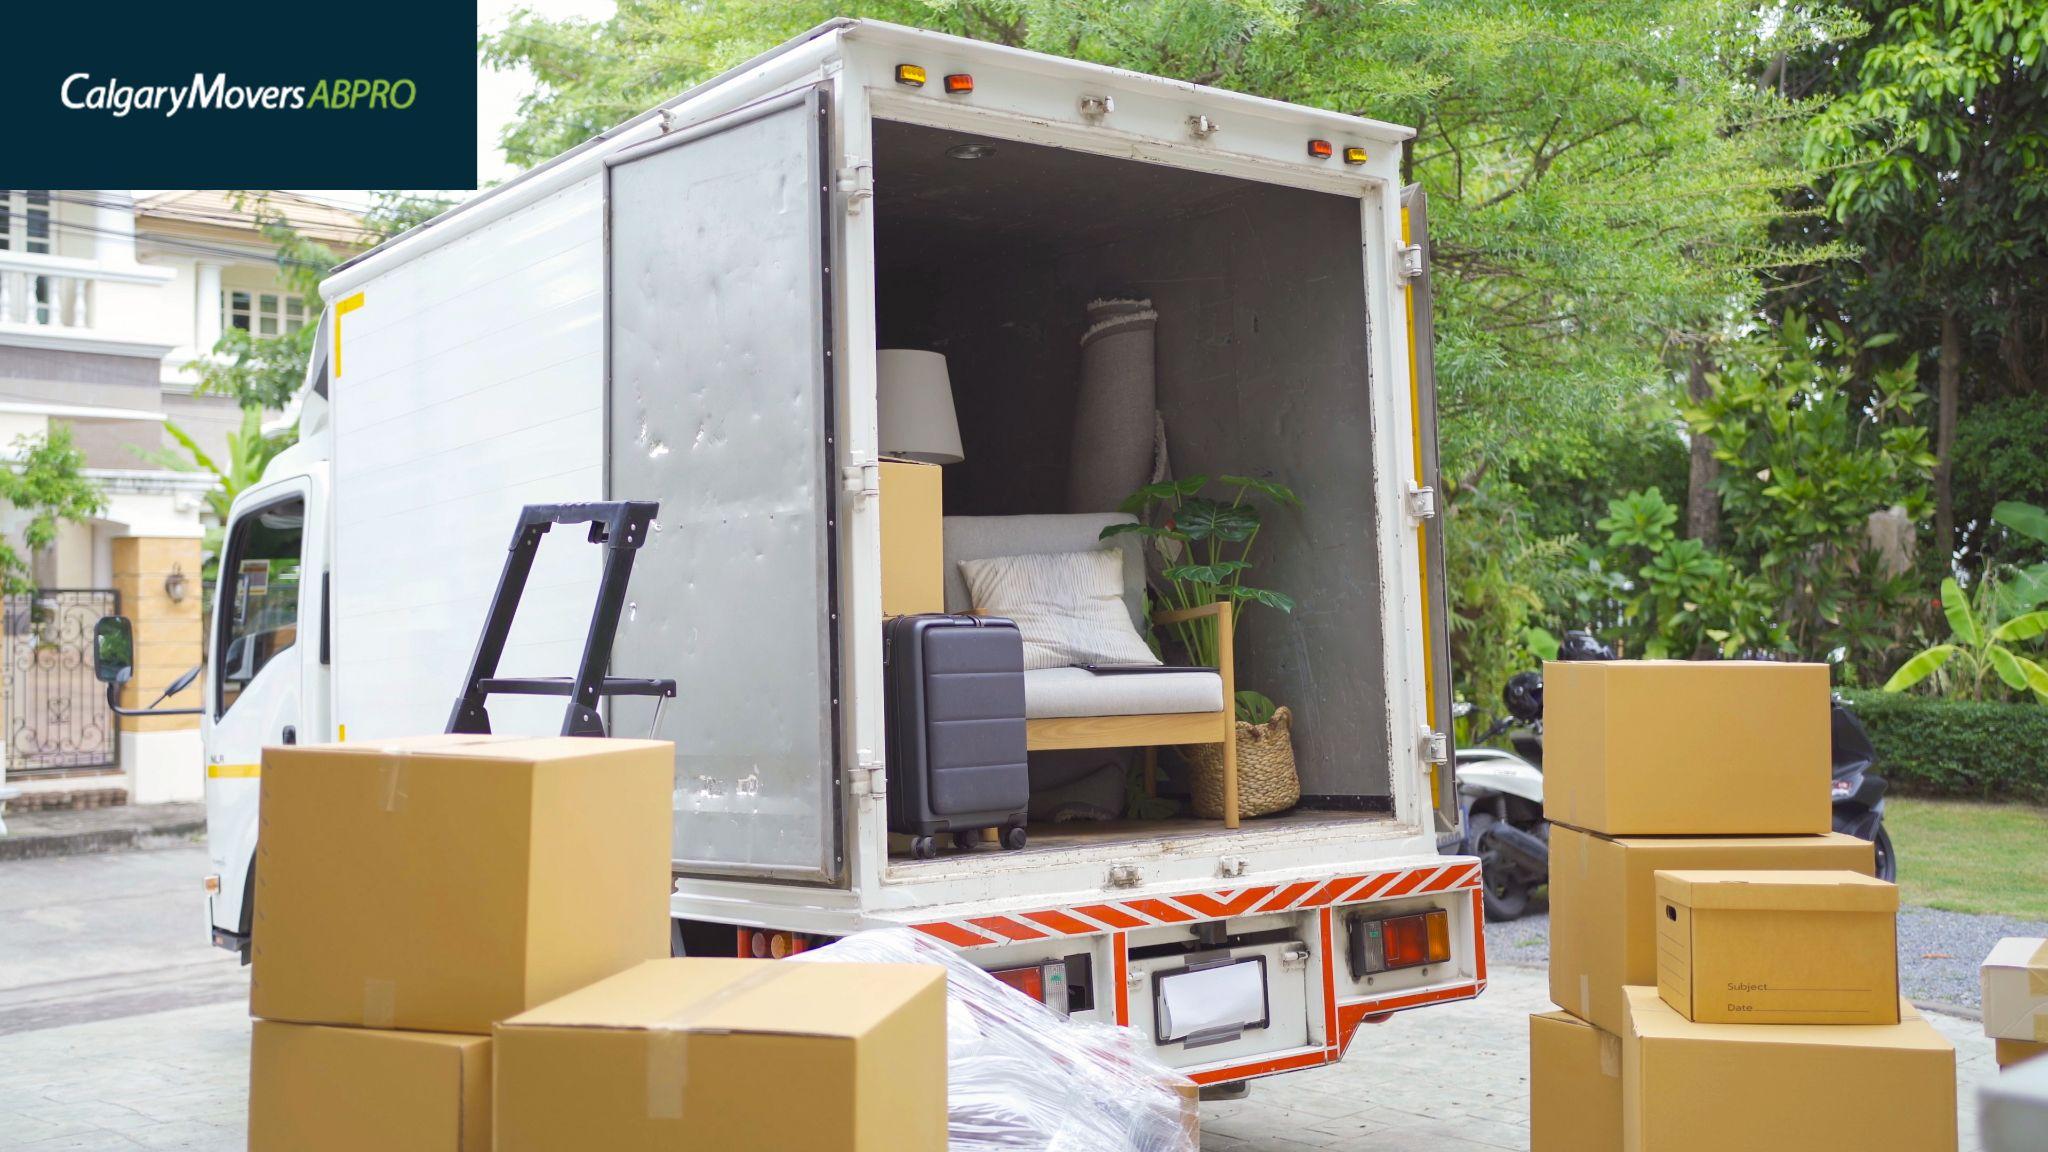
(55, 717)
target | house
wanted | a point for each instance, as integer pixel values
(106, 302)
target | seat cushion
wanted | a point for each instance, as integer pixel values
(1050, 692)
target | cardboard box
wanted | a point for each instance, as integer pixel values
(1689, 1087)
(1574, 1086)
(1603, 896)
(2011, 1052)
(445, 883)
(913, 538)
(1778, 947)
(2015, 982)
(2012, 1110)
(707, 1055)
(318, 1089)
(1683, 748)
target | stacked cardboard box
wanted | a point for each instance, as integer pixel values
(412, 893)
(1696, 769)
(2015, 983)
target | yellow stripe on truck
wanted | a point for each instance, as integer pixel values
(233, 771)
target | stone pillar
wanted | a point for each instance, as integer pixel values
(161, 754)
(113, 222)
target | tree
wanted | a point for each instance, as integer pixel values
(1938, 144)
(46, 480)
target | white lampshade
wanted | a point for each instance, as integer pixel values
(916, 401)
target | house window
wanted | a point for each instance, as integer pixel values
(266, 314)
(25, 220)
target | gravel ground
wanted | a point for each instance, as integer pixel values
(1938, 951)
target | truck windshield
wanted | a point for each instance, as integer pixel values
(260, 589)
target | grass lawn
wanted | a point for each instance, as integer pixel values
(1965, 856)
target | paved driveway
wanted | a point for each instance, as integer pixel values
(120, 1029)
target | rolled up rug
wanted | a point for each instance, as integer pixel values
(1114, 414)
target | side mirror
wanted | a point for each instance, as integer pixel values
(113, 650)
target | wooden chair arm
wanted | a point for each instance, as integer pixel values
(1220, 609)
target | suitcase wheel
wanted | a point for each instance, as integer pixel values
(923, 848)
(1013, 837)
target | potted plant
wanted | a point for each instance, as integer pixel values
(1206, 543)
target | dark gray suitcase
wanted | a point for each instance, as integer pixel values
(954, 702)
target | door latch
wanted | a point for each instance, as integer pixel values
(1411, 261)
(1124, 876)
(1436, 746)
(1421, 502)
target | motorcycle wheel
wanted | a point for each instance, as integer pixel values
(1504, 896)
(1887, 860)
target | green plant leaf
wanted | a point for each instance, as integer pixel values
(1919, 667)
(1269, 598)
(1540, 642)
(2007, 666)
(2026, 519)
(1215, 573)
(1152, 494)
(2022, 627)
(1205, 519)
(1957, 608)
(2037, 677)
(1268, 488)
(1254, 707)
(1141, 530)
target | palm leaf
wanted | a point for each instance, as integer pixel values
(2025, 519)
(2022, 627)
(2008, 668)
(1919, 667)
(1957, 609)
(2037, 677)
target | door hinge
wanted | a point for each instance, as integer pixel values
(1421, 502)
(869, 778)
(857, 181)
(1435, 745)
(863, 479)
(1411, 261)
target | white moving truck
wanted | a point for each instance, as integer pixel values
(687, 309)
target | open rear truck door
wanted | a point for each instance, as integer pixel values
(719, 405)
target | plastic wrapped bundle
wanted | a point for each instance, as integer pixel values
(1022, 1078)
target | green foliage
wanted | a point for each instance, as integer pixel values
(264, 372)
(2001, 456)
(1811, 445)
(1678, 600)
(1938, 747)
(1195, 534)
(44, 478)
(2023, 587)
(249, 453)
(1504, 576)
(1254, 707)
(1981, 647)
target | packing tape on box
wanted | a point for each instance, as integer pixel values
(380, 1003)
(2037, 975)
(668, 1042)
(390, 796)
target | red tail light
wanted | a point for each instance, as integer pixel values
(1321, 149)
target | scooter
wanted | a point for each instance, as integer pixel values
(1859, 792)
(1500, 800)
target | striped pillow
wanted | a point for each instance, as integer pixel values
(1069, 606)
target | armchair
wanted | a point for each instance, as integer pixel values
(1075, 708)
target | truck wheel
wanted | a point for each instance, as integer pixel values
(923, 847)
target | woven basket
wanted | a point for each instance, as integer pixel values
(1266, 780)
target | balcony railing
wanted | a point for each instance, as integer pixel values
(44, 299)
